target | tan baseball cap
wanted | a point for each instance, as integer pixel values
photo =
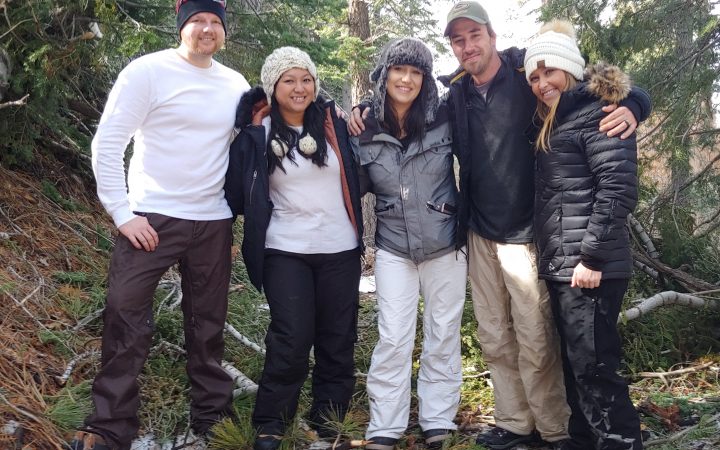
(467, 10)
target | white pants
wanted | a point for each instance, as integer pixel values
(441, 281)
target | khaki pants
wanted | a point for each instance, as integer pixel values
(518, 338)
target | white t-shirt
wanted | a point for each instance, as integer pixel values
(181, 118)
(309, 214)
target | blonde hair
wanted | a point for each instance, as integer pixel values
(547, 115)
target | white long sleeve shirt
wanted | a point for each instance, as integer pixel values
(181, 118)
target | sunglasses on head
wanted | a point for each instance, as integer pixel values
(179, 3)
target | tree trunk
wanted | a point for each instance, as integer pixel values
(359, 19)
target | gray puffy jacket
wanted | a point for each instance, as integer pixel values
(415, 190)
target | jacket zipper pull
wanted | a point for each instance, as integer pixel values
(252, 185)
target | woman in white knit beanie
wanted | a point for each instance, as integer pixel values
(291, 175)
(586, 185)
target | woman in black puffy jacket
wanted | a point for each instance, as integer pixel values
(586, 185)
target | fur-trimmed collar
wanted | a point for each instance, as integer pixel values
(601, 81)
(607, 82)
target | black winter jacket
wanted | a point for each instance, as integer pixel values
(496, 159)
(585, 186)
(247, 183)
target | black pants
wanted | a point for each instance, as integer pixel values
(603, 417)
(203, 250)
(313, 302)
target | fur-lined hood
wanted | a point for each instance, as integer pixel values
(607, 82)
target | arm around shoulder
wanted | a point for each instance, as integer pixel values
(639, 102)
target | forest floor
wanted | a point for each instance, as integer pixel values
(55, 243)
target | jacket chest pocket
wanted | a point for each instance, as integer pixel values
(382, 166)
(437, 159)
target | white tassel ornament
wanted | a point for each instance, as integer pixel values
(307, 145)
(279, 148)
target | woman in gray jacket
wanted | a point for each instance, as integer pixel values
(406, 160)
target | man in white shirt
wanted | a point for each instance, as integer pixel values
(178, 105)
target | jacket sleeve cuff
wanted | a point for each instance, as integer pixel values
(591, 263)
(639, 103)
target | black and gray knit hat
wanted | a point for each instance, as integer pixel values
(406, 51)
(185, 9)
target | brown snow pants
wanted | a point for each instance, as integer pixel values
(202, 249)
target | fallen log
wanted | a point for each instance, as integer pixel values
(664, 299)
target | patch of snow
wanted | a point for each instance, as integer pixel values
(367, 284)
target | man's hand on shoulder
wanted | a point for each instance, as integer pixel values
(619, 120)
(260, 110)
(140, 234)
(356, 123)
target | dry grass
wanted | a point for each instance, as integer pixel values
(54, 248)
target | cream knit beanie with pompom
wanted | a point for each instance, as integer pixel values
(555, 47)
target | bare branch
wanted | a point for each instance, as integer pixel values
(245, 385)
(21, 102)
(710, 228)
(664, 299)
(243, 340)
(647, 243)
(61, 380)
(712, 131)
(673, 373)
(689, 282)
(89, 318)
(27, 414)
(649, 271)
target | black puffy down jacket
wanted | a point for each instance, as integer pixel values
(586, 185)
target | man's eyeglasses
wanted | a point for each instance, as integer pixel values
(179, 3)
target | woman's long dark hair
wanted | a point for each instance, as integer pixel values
(414, 120)
(313, 124)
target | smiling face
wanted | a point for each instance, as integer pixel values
(403, 86)
(203, 34)
(474, 47)
(294, 92)
(548, 83)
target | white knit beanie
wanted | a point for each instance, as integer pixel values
(280, 61)
(555, 47)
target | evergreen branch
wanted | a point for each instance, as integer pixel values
(693, 56)
(709, 229)
(679, 435)
(670, 192)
